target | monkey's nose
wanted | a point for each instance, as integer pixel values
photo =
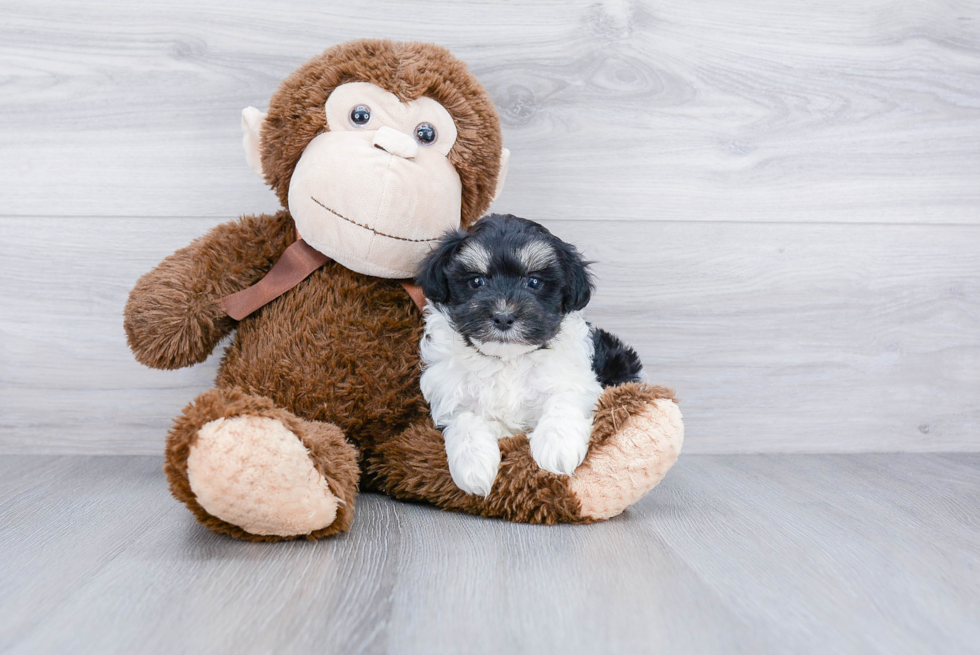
(396, 143)
(503, 321)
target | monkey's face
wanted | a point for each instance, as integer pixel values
(376, 191)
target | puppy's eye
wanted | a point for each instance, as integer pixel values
(360, 115)
(534, 283)
(477, 282)
(425, 134)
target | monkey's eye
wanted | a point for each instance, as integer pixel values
(360, 115)
(425, 134)
(477, 282)
(534, 283)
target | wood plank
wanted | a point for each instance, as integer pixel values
(88, 510)
(104, 539)
(778, 338)
(817, 549)
(536, 589)
(849, 111)
(750, 553)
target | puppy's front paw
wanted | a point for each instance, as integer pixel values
(474, 469)
(473, 455)
(560, 443)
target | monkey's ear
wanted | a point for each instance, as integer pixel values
(252, 120)
(502, 174)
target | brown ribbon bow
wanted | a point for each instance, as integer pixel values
(295, 265)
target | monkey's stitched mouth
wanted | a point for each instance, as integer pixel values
(371, 229)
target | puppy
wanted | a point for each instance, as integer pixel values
(506, 349)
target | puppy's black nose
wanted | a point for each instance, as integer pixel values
(503, 321)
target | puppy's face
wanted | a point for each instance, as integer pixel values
(506, 284)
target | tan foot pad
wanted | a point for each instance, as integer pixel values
(630, 462)
(252, 472)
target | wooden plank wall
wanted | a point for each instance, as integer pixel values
(783, 197)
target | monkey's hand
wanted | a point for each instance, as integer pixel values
(172, 318)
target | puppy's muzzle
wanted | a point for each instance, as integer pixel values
(503, 321)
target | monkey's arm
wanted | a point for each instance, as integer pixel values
(172, 318)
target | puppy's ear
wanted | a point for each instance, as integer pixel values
(431, 273)
(578, 280)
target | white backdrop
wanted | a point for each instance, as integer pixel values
(783, 197)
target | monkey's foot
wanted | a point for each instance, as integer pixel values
(636, 438)
(251, 470)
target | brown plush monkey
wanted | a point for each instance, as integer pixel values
(375, 148)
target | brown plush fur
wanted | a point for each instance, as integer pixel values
(617, 404)
(410, 71)
(335, 359)
(334, 349)
(172, 319)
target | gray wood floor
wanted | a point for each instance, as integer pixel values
(731, 554)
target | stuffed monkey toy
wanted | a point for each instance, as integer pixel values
(375, 149)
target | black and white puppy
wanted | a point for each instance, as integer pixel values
(506, 349)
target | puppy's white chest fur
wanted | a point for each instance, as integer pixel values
(504, 384)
